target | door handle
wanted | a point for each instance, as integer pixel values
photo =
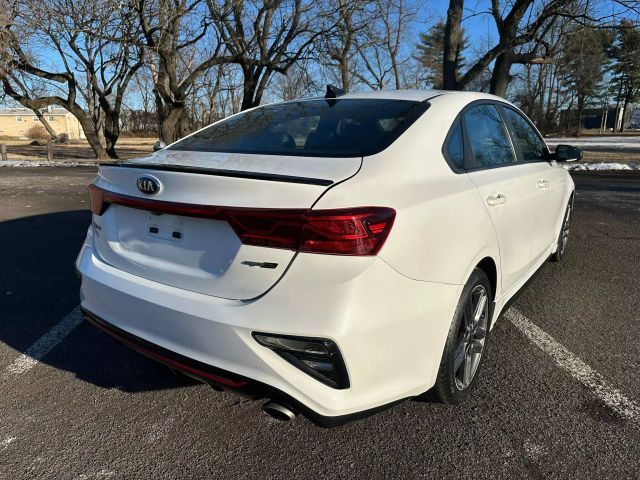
(542, 183)
(496, 199)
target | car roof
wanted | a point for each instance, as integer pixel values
(415, 95)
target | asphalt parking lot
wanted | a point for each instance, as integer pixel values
(559, 396)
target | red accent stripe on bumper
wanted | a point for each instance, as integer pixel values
(171, 362)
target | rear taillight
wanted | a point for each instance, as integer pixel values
(95, 199)
(356, 231)
(267, 228)
(345, 231)
(349, 231)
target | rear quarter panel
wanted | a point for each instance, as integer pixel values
(441, 226)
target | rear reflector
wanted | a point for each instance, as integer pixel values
(345, 231)
(318, 357)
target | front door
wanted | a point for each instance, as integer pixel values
(504, 186)
(547, 177)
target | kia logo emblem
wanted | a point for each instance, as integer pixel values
(148, 184)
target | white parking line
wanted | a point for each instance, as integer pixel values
(46, 343)
(579, 370)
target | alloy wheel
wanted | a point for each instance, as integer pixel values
(471, 337)
(564, 235)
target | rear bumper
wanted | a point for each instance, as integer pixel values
(224, 379)
(390, 330)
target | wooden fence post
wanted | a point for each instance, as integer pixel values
(3, 152)
(50, 151)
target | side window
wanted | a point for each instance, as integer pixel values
(488, 137)
(455, 146)
(532, 146)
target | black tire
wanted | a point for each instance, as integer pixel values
(449, 387)
(563, 236)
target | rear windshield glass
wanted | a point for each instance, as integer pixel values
(318, 128)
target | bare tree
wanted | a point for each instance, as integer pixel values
(395, 16)
(141, 94)
(183, 45)
(518, 23)
(340, 46)
(91, 74)
(45, 124)
(265, 37)
(540, 90)
(297, 83)
(382, 55)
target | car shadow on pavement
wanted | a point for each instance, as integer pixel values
(38, 288)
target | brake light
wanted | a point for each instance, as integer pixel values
(267, 228)
(350, 231)
(95, 199)
(356, 231)
(345, 231)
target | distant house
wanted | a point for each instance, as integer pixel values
(16, 122)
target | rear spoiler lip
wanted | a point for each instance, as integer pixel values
(270, 177)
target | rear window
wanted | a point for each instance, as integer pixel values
(317, 128)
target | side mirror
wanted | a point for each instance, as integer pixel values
(567, 153)
(159, 145)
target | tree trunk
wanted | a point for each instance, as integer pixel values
(396, 71)
(344, 73)
(625, 106)
(500, 77)
(45, 124)
(92, 137)
(615, 123)
(248, 90)
(172, 123)
(452, 39)
(251, 94)
(548, 119)
(172, 118)
(111, 133)
(580, 110)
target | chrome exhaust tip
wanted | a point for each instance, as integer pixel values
(279, 412)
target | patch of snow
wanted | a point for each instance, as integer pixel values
(602, 166)
(45, 163)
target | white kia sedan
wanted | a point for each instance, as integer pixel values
(333, 255)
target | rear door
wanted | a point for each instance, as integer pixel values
(205, 255)
(549, 180)
(504, 186)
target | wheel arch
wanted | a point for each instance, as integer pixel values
(488, 266)
(569, 200)
(488, 260)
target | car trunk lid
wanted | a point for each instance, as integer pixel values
(155, 236)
